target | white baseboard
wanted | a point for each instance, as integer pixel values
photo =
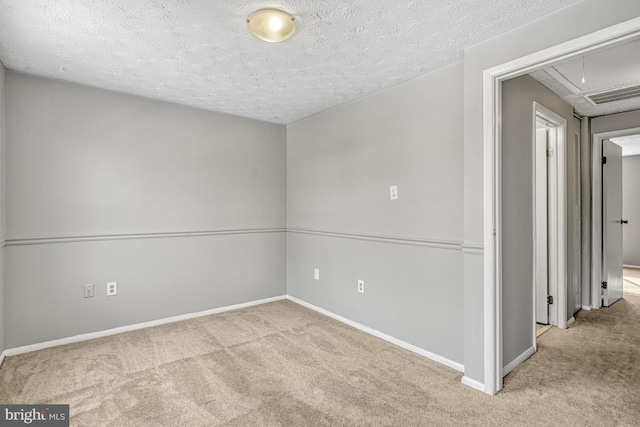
(587, 307)
(518, 361)
(93, 335)
(630, 266)
(383, 336)
(129, 328)
(473, 383)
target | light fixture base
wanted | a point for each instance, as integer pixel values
(271, 25)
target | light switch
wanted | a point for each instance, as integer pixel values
(393, 192)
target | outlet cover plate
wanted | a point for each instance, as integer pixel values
(316, 274)
(112, 289)
(361, 286)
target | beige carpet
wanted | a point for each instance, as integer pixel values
(631, 282)
(541, 329)
(283, 365)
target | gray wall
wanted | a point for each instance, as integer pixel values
(2, 216)
(517, 199)
(340, 165)
(569, 23)
(612, 122)
(631, 210)
(86, 165)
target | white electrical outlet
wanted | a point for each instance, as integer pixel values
(112, 289)
(316, 273)
(361, 286)
(393, 192)
(88, 291)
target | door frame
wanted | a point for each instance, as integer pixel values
(557, 218)
(492, 179)
(540, 224)
(597, 256)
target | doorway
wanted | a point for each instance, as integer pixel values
(631, 213)
(608, 221)
(612, 222)
(493, 79)
(549, 216)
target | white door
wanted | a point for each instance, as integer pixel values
(611, 223)
(541, 225)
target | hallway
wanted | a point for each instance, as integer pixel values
(591, 370)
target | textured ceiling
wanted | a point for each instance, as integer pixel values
(199, 53)
(630, 144)
(606, 70)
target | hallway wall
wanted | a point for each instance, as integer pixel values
(518, 96)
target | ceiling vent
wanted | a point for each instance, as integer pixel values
(615, 95)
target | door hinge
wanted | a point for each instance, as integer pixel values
(604, 285)
(549, 152)
(549, 299)
(604, 160)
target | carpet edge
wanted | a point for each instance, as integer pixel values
(133, 327)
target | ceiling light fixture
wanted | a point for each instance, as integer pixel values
(271, 25)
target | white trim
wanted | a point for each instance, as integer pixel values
(493, 78)
(596, 222)
(2, 356)
(398, 240)
(540, 213)
(395, 341)
(159, 235)
(492, 149)
(596, 211)
(129, 328)
(557, 213)
(471, 249)
(630, 266)
(134, 327)
(586, 307)
(519, 360)
(473, 383)
(401, 240)
(561, 226)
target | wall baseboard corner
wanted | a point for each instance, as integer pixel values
(631, 266)
(2, 356)
(134, 327)
(518, 361)
(587, 307)
(477, 385)
(395, 341)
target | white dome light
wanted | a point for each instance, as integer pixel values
(271, 25)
